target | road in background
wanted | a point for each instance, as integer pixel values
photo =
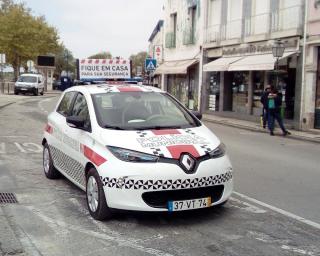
(51, 217)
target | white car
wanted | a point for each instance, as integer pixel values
(136, 148)
(29, 83)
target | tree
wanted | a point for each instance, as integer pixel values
(101, 55)
(138, 61)
(24, 37)
(64, 61)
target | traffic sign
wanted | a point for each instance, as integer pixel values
(150, 64)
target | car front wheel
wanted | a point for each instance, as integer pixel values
(49, 170)
(96, 199)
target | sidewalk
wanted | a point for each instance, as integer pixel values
(311, 135)
(8, 99)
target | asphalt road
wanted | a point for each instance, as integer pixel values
(51, 217)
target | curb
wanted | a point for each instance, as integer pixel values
(260, 130)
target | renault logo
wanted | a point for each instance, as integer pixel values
(187, 162)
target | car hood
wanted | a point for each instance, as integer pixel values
(24, 83)
(170, 143)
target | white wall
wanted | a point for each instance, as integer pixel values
(260, 16)
(234, 25)
(181, 51)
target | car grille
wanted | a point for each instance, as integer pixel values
(159, 199)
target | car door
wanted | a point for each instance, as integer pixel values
(75, 139)
(57, 125)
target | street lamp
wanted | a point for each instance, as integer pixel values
(277, 52)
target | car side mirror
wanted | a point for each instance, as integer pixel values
(197, 114)
(76, 121)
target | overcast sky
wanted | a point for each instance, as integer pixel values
(122, 27)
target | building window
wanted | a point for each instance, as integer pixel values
(189, 36)
(171, 36)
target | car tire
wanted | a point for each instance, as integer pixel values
(36, 92)
(221, 204)
(49, 170)
(16, 92)
(42, 92)
(96, 200)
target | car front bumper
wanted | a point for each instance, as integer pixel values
(25, 89)
(149, 187)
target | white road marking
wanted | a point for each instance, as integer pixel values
(247, 207)
(296, 250)
(21, 149)
(283, 243)
(278, 210)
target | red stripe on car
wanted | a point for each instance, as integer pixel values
(129, 89)
(177, 150)
(48, 128)
(93, 156)
(165, 132)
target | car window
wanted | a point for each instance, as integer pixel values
(140, 110)
(27, 79)
(80, 108)
(65, 104)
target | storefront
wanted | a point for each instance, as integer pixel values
(181, 79)
(317, 99)
(242, 72)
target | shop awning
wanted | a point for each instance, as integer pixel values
(257, 62)
(221, 64)
(175, 67)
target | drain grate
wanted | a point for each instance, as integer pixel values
(8, 198)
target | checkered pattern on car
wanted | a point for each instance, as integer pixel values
(189, 131)
(166, 184)
(206, 149)
(157, 152)
(68, 165)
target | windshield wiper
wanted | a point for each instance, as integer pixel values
(158, 127)
(114, 127)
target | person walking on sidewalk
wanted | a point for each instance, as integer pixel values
(274, 105)
(264, 101)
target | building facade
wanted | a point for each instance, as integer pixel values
(238, 60)
(183, 35)
(311, 106)
(218, 57)
(155, 49)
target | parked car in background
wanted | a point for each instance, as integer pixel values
(29, 83)
(56, 85)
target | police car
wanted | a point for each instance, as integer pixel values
(135, 148)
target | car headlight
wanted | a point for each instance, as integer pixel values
(218, 151)
(132, 156)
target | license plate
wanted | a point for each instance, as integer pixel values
(189, 204)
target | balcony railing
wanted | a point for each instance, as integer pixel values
(288, 18)
(215, 33)
(170, 40)
(189, 37)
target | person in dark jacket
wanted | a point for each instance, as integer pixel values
(264, 101)
(273, 106)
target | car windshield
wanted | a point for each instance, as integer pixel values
(140, 111)
(27, 79)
